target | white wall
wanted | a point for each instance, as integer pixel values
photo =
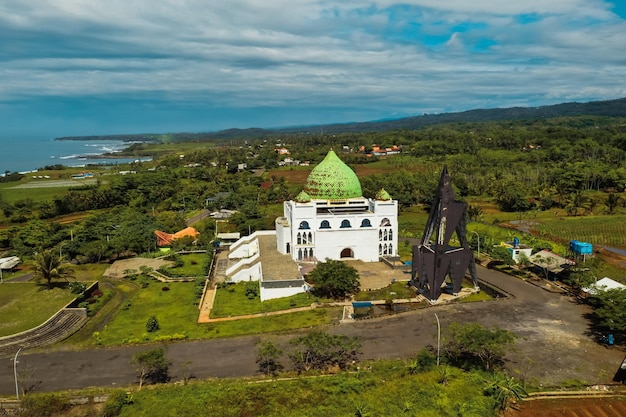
(271, 293)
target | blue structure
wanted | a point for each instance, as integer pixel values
(580, 248)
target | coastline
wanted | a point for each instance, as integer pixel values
(28, 155)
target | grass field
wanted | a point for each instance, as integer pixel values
(177, 315)
(383, 388)
(232, 301)
(24, 306)
(193, 266)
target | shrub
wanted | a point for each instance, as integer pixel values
(117, 400)
(77, 287)
(165, 288)
(96, 294)
(152, 325)
(43, 405)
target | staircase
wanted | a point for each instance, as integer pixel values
(60, 326)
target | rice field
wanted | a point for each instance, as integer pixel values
(607, 230)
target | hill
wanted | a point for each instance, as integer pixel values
(606, 108)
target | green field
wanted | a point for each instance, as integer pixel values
(24, 306)
(177, 315)
(383, 388)
(602, 230)
(232, 301)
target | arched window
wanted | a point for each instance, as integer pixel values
(299, 239)
(390, 234)
(385, 252)
(299, 254)
(380, 249)
(366, 223)
(390, 249)
(310, 238)
(304, 225)
(380, 235)
(311, 253)
(325, 224)
(385, 222)
(385, 235)
(345, 224)
(347, 253)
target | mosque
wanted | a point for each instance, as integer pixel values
(329, 219)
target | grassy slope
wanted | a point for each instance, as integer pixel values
(383, 389)
(24, 306)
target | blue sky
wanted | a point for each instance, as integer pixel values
(81, 67)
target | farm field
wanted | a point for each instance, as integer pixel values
(599, 230)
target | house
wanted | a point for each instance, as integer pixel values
(550, 262)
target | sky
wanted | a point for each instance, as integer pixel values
(85, 67)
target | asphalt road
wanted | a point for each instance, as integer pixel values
(555, 344)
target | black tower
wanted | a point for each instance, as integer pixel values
(434, 260)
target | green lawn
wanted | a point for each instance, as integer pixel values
(193, 265)
(232, 301)
(177, 315)
(399, 290)
(24, 306)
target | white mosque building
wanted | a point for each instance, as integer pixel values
(330, 218)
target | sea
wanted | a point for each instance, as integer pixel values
(29, 154)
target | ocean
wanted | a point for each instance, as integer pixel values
(25, 155)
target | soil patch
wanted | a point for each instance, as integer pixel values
(119, 268)
(571, 408)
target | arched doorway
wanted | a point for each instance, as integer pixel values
(347, 253)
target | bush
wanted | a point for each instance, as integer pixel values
(117, 400)
(43, 405)
(77, 287)
(96, 294)
(152, 325)
(165, 288)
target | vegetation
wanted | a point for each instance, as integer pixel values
(334, 279)
(234, 300)
(25, 306)
(472, 346)
(151, 366)
(323, 351)
(49, 265)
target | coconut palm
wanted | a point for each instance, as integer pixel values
(51, 265)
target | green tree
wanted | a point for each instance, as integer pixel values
(48, 265)
(612, 201)
(267, 357)
(319, 350)
(151, 366)
(610, 308)
(334, 279)
(473, 345)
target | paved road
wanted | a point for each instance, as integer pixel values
(554, 344)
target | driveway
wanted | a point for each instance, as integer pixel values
(554, 344)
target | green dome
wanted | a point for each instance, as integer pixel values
(333, 180)
(303, 197)
(383, 195)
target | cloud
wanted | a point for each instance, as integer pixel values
(362, 59)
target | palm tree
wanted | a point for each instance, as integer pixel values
(51, 265)
(612, 201)
(505, 390)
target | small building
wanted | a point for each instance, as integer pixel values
(603, 284)
(516, 249)
(550, 261)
